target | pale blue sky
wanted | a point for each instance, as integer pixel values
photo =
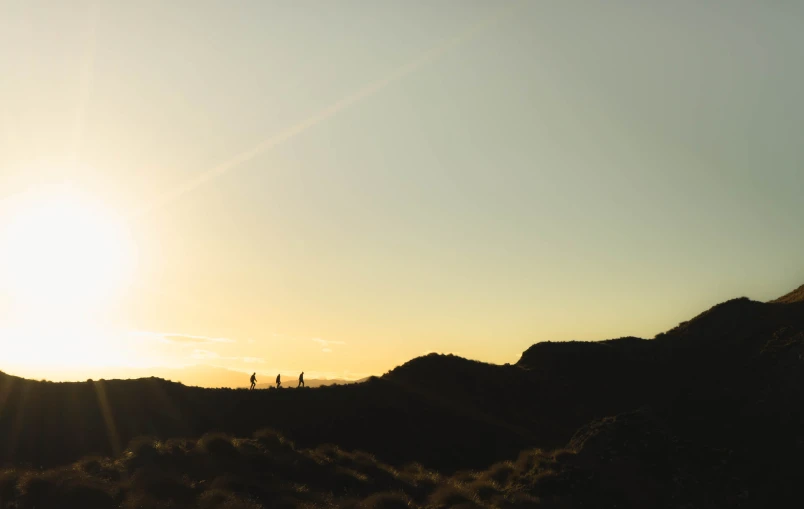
(573, 170)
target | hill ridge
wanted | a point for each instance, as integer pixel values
(729, 379)
(793, 297)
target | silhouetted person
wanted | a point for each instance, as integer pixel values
(301, 380)
(253, 381)
(278, 380)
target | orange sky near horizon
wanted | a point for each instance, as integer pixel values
(339, 190)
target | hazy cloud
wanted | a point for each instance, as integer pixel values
(204, 354)
(196, 339)
(199, 354)
(326, 344)
(180, 339)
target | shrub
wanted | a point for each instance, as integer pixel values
(91, 466)
(449, 495)
(363, 458)
(529, 460)
(8, 486)
(248, 448)
(100, 468)
(64, 488)
(464, 476)
(561, 455)
(518, 499)
(500, 473)
(329, 451)
(484, 490)
(143, 447)
(232, 484)
(176, 447)
(212, 498)
(217, 445)
(272, 440)
(239, 503)
(219, 499)
(387, 500)
(161, 485)
(421, 483)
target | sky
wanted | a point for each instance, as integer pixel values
(339, 187)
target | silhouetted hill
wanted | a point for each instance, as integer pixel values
(53, 423)
(710, 410)
(796, 295)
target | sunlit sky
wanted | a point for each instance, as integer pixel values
(338, 187)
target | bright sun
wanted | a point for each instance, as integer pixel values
(62, 253)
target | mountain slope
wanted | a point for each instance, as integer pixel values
(726, 385)
(53, 423)
(796, 295)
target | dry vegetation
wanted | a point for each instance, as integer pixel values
(221, 472)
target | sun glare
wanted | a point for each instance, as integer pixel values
(62, 253)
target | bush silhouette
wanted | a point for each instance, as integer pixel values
(217, 445)
(8, 486)
(65, 489)
(158, 484)
(388, 500)
(500, 473)
(218, 471)
(450, 495)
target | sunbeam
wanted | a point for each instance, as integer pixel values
(368, 90)
(87, 73)
(108, 417)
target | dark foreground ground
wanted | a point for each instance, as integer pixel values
(709, 414)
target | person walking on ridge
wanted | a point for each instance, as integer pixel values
(253, 381)
(301, 380)
(278, 380)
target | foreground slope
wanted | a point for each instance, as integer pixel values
(267, 470)
(628, 461)
(49, 424)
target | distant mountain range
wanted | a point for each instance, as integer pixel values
(292, 383)
(213, 377)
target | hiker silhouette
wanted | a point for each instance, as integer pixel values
(301, 380)
(278, 381)
(253, 381)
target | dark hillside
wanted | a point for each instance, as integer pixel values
(632, 460)
(721, 398)
(730, 379)
(796, 295)
(49, 424)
